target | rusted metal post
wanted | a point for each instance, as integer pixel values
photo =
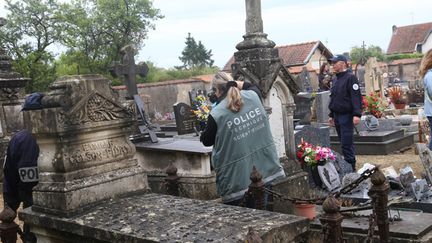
(420, 132)
(172, 181)
(331, 220)
(379, 195)
(8, 228)
(256, 192)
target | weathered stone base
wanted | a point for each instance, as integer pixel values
(161, 218)
(196, 187)
(377, 145)
(66, 199)
(295, 185)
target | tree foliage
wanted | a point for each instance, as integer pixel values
(358, 53)
(157, 74)
(32, 27)
(195, 55)
(98, 29)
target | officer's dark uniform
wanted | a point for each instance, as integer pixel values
(345, 103)
(21, 173)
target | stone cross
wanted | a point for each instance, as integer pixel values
(129, 69)
(254, 36)
(254, 23)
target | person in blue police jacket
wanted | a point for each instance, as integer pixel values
(345, 106)
(21, 174)
(238, 128)
(20, 168)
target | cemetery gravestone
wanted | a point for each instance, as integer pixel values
(129, 70)
(329, 176)
(185, 119)
(373, 79)
(303, 102)
(322, 103)
(426, 159)
(419, 188)
(85, 152)
(304, 81)
(313, 135)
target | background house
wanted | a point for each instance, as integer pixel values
(409, 39)
(297, 57)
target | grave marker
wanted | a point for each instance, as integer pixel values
(329, 176)
(129, 70)
(322, 103)
(185, 118)
(426, 158)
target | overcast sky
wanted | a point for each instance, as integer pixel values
(220, 24)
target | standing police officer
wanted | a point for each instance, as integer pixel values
(20, 167)
(345, 106)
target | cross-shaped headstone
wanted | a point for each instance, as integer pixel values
(128, 69)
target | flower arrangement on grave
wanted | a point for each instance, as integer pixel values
(314, 155)
(374, 104)
(396, 94)
(201, 108)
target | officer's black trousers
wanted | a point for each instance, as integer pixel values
(345, 130)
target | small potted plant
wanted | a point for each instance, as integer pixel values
(396, 95)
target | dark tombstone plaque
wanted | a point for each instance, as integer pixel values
(193, 94)
(304, 81)
(185, 119)
(303, 112)
(313, 135)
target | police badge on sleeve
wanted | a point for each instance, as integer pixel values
(29, 174)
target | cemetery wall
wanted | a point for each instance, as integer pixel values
(407, 69)
(160, 97)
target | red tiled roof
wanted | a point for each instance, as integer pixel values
(293, 55)
(405, 38)
(299, 69)
(297, 54)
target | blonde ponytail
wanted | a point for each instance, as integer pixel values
(235, 101)
(221, 81)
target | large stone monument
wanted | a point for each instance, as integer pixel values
(11, 98)
(85, 155)
(258, 62)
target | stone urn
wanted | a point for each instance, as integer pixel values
(405, 120)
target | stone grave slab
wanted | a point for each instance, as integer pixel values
(189, 156)
(162, 218)
(376, 142)
(414, 228)
(185, 119)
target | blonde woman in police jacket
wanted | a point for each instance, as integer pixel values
(238, 128)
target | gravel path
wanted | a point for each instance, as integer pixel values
(397, 160)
